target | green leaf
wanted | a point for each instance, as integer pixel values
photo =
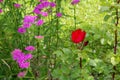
(107, 17)
(104, 8)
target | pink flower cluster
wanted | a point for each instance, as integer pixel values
(74, 2)
(1, 1)
(16, 5)
(28, 21)
(42, 5)
(21, 74)
(21, 58)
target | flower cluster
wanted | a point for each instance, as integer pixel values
(74, 2)
(28, 20)
(42, 5)
(21, 74)
(16, 5)
(1, 1)
(21, 58)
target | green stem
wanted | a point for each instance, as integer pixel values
(115, 43)
(75, 17)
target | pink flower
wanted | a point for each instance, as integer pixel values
(17, 54)
(39, 37)
(21, 30)
(21, 58)
(45, 4)
(75, 2)
(44, 14)
(1, 10)
(24, 64)
(1, 1)
(17, 5)
(40, 22)
(52, 4)
(21, 74)
(36, 10)
(59, 14)
(29, 19)
(26, 25)
(42, 0)
(30, 48)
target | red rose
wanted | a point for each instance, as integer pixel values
(78, 35)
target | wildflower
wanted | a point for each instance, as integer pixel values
(40, 22)
(45, 4)
(52, 4)
(1, 10)
(21, 74)
(1, 1)
(43, 0)
(58, 14)
(78, 36)
(17, 5)
(26, 25)
(29, 19)
(44, 14)
(24, 64)
(30, 48)
(17, 54)
(36, 10)
(75, 2)
(21, 58)
(21, 30)
(39, 37)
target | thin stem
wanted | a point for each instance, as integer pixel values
(75, 17)
(115, 43)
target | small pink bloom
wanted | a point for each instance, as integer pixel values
(29, 19)
(52, 4)
(44, 14)
(59, 14)
(43, 0)
(30, 48)
(17, 5)
(36, 10)
(26, 25)
(39, 37)
(21, 30)
(21, 74)
(1, 10)
(75, 2)
(24, 64)
(40, 22)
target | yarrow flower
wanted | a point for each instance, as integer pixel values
(78, 36)
(40, 22)
(21, 58)
(75, 2)
(21, 74)
(17, 5)
(30, 48)
(59, 14)
(21, 30)
(39, 37)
